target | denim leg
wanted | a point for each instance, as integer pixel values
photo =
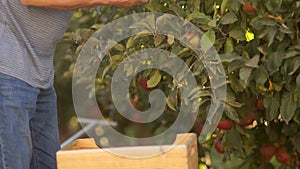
(44, 131)
(28, 126)
(17, 103)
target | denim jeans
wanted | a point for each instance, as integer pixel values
(28, 126)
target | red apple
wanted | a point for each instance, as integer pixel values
(282, 156)
(218, 146)
(267, 151)
(248, 8)
(249, 120)
(225, 124)
(134, 102)
(260, 104)
(143, 83)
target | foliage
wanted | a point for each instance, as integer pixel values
(260, 52)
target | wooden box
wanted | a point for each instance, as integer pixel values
(84, 154)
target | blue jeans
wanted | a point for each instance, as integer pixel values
(28, 126)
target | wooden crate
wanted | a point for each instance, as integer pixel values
(84, 154)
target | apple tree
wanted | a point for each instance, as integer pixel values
(258, 42)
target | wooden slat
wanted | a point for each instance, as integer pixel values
(87, 143)
(181, 155)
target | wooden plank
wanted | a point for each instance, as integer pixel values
(89, 143)
(184, 138)
(95, 160)
(192, 150)
(86, 143)
(181, 155)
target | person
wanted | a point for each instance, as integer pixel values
(29, 32)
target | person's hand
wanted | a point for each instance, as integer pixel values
(127, 3)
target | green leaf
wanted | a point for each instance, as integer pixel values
(261, 75)
(217, 158)
(156, 6)
(105, 71)
(235, 64)
(232, 113)
(181, 50)
(244, 74)
(139, 25)
(235, 84)
(271, 35)
(224, 5)
(96, 26)
(211, 35)
(273, 5)
(158, 39)
(234, 140)
(292, 53)
(237, 33)
(230, 57)
(272, 105)
(199, 17)
(296, 65)
(288, 106)
(234, 104)
(229, 18)
(286, 30)
(198, 68)
(260, 23)
(234, 5)
(170, 104)
(228, 46)
(274, 62)
(207, 40)
(286, 69)
(213, 23)
(78, 49)
(130, 43)
(253, 62)
(119, 47)
(154, 80)
(142, 33)
(116, 59)
(177, 10)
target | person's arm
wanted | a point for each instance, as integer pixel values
(74, 4)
